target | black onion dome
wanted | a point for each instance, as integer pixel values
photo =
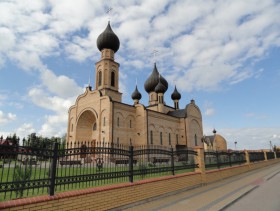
(164, 82)
(152, 81)
(108, 39)
(136, 95)
(160, 88)
(175, 95)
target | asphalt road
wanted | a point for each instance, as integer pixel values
(254, 190)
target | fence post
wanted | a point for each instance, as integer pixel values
(218, 162)
(229, 157)
(53, 169)
(172, 161)
(275, 155)
(130, 163)
(199, 159)
(265, 155)
(247, 157)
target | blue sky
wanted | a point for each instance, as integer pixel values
(224, 54)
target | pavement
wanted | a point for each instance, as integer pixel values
(254, 190)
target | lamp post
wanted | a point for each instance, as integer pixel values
(235, 144)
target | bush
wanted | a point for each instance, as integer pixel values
(21, 176)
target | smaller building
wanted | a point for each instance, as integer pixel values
(215, 142)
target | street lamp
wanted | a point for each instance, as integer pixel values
(235, 144)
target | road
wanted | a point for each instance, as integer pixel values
(254, 190)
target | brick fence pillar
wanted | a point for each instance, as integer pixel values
(265, 155)
(247, 157)
(275, 155)
(199, 159)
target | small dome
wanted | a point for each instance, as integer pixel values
(176, 95)
(108, 39)
(160, 88)
(153, 79)
(136, 95)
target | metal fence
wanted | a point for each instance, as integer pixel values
(270, 155)
(219, 159)
(256, 156)
(28, 171)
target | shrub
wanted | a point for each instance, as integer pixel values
(21, 175)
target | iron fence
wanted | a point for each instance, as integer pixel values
(256, 156)
(270, 155)
(220, 159)
(278, 154)
(28, 171)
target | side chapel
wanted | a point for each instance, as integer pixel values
(99, 114)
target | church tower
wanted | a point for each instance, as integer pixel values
(107, 70)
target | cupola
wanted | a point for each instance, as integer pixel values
(108, 40)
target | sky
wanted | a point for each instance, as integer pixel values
(224, 54)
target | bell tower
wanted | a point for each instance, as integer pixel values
(107, 70)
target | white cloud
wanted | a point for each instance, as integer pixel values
(256, 116)
(5, 118)
(62, 86)
(251, 138)
(209, 111)
(25, 130)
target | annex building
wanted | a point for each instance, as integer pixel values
(99, 114)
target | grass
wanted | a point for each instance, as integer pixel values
(41, 172)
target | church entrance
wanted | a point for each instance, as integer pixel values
(86, 127)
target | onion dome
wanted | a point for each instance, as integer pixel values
(164, 82)
(108, 39)
(175, 95)
(160, 88)
(136, 95)
(153, 79)
(214, 131)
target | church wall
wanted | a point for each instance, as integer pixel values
(162, 124)
(124, 129)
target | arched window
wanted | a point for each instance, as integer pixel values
(118, 121)
(169, 138)
(195, 140)
(112, 78)
(99, 78)
(177, 139)
(130, 142)
(104, 121)
(151, 137)
(160, 138)
(94, 126)
(130, 124)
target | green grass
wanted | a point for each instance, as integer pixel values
(40, 172)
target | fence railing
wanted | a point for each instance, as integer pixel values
(28, 171)
(218, 159)
(256, 156)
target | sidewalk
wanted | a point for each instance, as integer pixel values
(215, 196)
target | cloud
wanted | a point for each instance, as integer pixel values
(61, 86)
(256, 116)
(250, 138)
(25, 129)
(209, 112)
(5, 118)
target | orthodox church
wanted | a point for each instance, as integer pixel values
(99, 114)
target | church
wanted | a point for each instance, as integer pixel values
(99, 115)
